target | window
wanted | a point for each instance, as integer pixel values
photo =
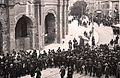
(2, 1)
(107, 6)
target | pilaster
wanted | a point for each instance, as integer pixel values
(12, 28)
(63, 19)
(4, 19)
(67, 4)
(119, 11)
(39, 15)
(42, 22)
(38, 41)
(59, 22)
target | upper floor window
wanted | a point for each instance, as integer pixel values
(2, 1)
(107, 6)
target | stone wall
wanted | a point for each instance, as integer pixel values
(5, 28)
(36, 11)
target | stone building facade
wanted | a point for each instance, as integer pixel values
(108, 6)
(32, 24)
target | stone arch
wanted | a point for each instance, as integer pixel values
(51, 11)
(50, 27)
(21, 14)
(24, 33)
(23, 26)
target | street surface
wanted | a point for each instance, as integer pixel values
(102, 35)
(74, 32)
(54, 73)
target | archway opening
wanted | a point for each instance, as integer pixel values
(1, 38)
(49, 29)
(23, 33)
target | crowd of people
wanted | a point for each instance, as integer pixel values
(80, 58)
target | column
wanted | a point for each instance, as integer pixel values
(37, 41)
(33, 37)
(119, 11)
(5, 32)
(12, 29)
(42, 20)
(63, 19)
(59, 8)
(60, 29)
(33, 29)
(67, 17)
(39, 26)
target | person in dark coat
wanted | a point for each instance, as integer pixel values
(111, 42)
(90, 66)
(70, 73)
(116, 40)
(74, 40)
(99, 70)
(77, 65)
(86, 67)
(62, 71)
(118, 70)
(2, 73)
(93, 41)
(12, 72)
(107, 71)
(38, 72)
(81, 42)
(70, 44)
(94, 68)
(81, 62)
(32, 69)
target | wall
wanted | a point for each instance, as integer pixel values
(36, 11)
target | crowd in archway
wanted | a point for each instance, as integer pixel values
(80, 58)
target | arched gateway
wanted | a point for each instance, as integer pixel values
(50, 28)
(33, 24)
(23, 33)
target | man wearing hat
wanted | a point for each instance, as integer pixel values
(70, 72)
(118, 70)
(99, 70)
(2, 73)
(62, 71)
(107, 70)
(38, 72)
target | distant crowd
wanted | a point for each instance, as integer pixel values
(95, 61)
(99, 19)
